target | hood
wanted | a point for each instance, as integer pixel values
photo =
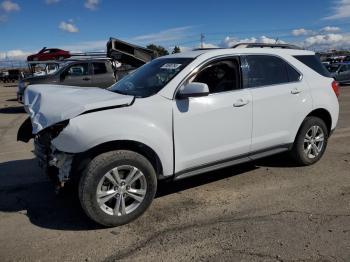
(51, 104)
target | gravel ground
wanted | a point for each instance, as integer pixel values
(262, 211)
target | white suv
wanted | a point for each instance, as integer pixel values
(178, 116)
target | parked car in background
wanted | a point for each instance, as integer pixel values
(85, 73)
(3, 76)
(11, 75)
(346, 59)
(340, 72)
(46, 54)
(176, 117)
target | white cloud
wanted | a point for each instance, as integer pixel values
(231, 41)
(18, 54)
(340, 10)
(49, 2)
(327, 40)
(14, 54)
(330, 29)
(9, 6)
(208, 45)
(68, 27)
(301, 31)
(171, 34)
(91, 4)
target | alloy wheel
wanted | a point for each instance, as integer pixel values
(313, 141)
(121, 190)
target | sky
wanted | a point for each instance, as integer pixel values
(86, 25)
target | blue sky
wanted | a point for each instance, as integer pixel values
(83, 25)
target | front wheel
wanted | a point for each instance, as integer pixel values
(311, 141)
(117, 187)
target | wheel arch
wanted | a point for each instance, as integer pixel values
(82, 159)
(324, 115)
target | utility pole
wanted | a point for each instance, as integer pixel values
(202, 40)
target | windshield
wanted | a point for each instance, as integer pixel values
(150, 78)
(333, 68)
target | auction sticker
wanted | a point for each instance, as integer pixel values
(170, 66)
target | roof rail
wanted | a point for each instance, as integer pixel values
(205, 48)
(264, 45)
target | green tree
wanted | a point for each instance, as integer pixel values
(160, 50)
(176, 50)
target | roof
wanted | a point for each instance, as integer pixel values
(237, 51)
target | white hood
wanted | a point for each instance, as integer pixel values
(51, 104)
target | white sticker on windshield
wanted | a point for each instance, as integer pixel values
(170, 66)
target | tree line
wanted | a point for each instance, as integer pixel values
(161, 51)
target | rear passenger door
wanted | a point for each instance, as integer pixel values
(103, 75)
(280, 100)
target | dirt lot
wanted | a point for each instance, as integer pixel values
(263, 211)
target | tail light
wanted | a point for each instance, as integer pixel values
(335, 87)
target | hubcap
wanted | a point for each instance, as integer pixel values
(313, 141)
(121, 190)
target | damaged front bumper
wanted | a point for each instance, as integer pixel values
(57, 165)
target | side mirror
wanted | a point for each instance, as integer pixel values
(193, 89)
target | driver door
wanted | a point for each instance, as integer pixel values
(215, 128)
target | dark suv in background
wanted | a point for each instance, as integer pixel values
(97, 72)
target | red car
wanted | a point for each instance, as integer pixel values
(49, 54)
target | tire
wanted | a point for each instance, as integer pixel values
(99, 176)
(308, 146)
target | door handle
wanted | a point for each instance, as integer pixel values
(240, 102)
(295, 91)
(86, 78)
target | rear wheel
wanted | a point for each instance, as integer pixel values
(117, 187)
(311, 141)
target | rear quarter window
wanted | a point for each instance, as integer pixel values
(314, 63)
(99, 68)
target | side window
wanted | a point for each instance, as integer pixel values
(314, 63)
(99, 68)
(78, 69)
(293, 74)
(220, 76)
(264, 70)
